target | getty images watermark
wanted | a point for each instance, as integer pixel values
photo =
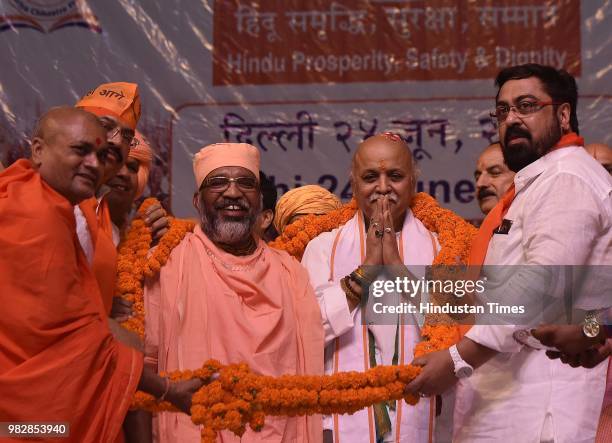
(493, 295)
(407, 287)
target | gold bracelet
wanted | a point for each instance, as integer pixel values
(348, 291)
(361, 274)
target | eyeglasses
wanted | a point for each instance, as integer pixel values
(524, 108)
(220, 183)
(112, 128)
(135, 142)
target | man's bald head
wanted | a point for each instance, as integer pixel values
(383, 165)
(384, 141)
(69, 149)
(602, 153)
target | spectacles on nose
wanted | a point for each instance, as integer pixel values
(221, 183)
(112, 129)
(523, 108)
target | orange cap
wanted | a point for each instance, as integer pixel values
(219, 155)
(120, 100)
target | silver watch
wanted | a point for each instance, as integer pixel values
(590, 326)
(462, 368)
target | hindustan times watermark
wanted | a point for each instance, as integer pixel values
(494, 295)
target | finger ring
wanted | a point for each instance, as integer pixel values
(378, 233)
(422, 395)
(375, 225)
(388, 230)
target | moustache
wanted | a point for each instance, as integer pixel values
(485, 192)
(392, 197)
(516, 132)
(227, 202)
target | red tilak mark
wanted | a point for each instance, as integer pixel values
(98, 141)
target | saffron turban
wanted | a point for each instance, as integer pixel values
(309, 199)
(144, 154)
(120, 100)
(220, 155)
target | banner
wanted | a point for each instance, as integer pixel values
(304, 81)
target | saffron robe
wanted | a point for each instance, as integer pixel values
(58, 359)
(258, 309)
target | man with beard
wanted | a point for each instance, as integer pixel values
(559, 212)
(383, 232)
(225, 295)
(492, 176)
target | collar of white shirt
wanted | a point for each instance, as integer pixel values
(533, 170)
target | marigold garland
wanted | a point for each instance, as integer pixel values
(134, 262)
(239, 397)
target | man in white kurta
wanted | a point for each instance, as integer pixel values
(383, 180)
(559, 212)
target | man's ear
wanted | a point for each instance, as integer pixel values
(267, 216)
(37, 148)
(563, 114)
(196, 201)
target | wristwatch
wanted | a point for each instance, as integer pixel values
(462, 368)
(590, 326)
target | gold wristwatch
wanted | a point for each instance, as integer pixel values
(591, 326)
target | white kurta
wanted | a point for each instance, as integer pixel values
(561, 215)
(346, 337)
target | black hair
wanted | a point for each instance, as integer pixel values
(558, 83)
(268, 192)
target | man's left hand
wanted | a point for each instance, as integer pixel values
(437, 376)
(568, 339)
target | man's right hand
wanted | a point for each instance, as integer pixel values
(180, 393)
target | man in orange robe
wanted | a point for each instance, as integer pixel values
(59, 361)
(117, 106)
(224, 294)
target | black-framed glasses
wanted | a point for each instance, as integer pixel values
(221, 183)
(112, 129)
(523, 108)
